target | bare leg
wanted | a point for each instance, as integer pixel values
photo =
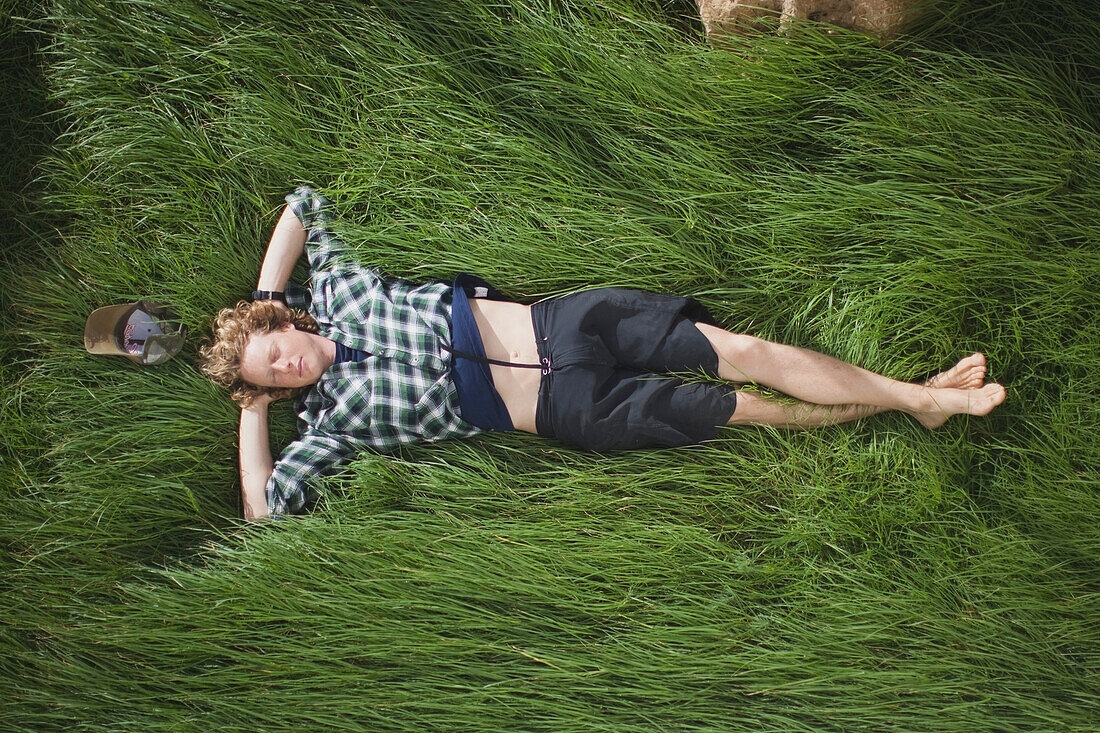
(822, 380)
(756, 409)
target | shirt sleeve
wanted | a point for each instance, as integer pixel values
(288, 489)
(312, 209)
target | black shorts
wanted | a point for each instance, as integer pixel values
(606, 354)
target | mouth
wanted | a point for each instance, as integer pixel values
(300, 366)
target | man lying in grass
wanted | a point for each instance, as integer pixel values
(379, 362)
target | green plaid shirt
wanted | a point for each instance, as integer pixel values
(402, 393)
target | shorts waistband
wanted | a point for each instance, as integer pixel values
(540, 316)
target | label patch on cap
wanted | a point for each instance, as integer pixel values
(139, 327)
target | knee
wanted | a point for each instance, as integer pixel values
(734, 348)
(745, 349)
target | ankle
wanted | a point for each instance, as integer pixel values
(925, 399)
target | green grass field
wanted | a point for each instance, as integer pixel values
(899, 207)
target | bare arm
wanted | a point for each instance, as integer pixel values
(255, 459)
(286, 246)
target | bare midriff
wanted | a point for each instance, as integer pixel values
(508, 335)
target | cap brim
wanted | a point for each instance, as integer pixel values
(99, 331)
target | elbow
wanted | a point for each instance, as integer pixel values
(254, 513)
(254, 493)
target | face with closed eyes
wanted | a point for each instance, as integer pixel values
(286, 358)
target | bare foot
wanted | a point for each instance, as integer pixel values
(969, 373)
(960, 390)
(943, 403)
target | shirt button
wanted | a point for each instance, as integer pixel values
(416, 360)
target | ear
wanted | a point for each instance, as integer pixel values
(288, 326)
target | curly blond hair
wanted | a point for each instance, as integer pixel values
(220, 359)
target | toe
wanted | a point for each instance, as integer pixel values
(995, 394)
